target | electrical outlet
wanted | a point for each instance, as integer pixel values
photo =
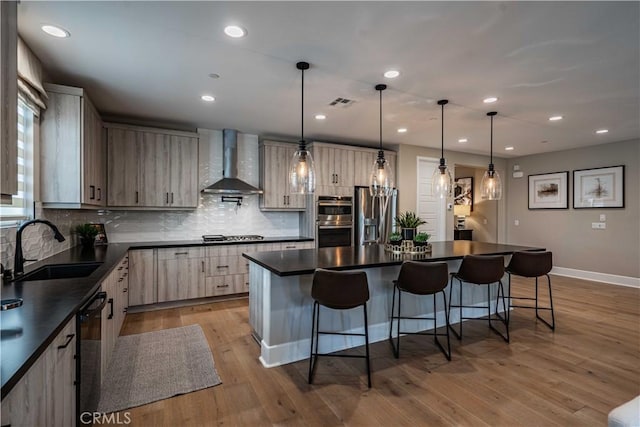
(485, 222)
(598, 225)
(603, 217)
(516, 222)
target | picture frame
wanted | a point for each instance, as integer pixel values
(598, 187)
(463, 191)
(101, 237)
(549, 190)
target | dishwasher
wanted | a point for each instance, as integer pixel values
(89, 324)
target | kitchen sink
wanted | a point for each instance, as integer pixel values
(61, 271)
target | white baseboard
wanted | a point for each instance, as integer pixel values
(633, 282)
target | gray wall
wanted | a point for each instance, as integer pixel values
(484, 217)
(568, 232)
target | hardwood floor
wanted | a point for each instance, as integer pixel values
(573, 376)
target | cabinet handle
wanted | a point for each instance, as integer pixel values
(222, 286)
(124, 310)
(171, 198)
(125, 290)
(120, 279)
(203, 266)
(181, 253)
(136, 197)
(222, 266)
(99, 193)
(290, 247)
(166, 198)
(92, 192)
(110, 301)
(284, 200)
(69, 339)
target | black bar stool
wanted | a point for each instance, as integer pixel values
(338, 290)
(481, 270)
(532, 264)
(421, 278)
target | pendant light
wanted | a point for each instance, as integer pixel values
(302, 173)
(441, 182)
(491, 186)
(381, 178)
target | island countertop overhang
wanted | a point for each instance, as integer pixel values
(306, 261)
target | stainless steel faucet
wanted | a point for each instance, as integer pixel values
(18, 261)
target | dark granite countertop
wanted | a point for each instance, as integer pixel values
(50, 304)
(305, 261)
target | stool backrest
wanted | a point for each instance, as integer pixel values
(340, 289)
(423, 278)
(481, 269)
(530, 264)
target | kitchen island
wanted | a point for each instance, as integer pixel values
(280, 303)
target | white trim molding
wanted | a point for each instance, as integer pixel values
(613, 279)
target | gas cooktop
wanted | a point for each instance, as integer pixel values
(239, 238)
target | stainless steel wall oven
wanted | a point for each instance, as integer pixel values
(334, 221)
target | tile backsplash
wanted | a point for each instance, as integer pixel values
(211, 217)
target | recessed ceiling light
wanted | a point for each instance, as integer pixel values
(509, 148)
(391, 74)
(602, 131)
(320, 117)
(54, 31)
(555, 118)
(402, 130)
(235, 31)
(207, 98)
(490, 100)
(462, 140)
(214, 76)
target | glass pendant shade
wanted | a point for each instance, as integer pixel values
(302, 175)
(441, 183)
(491, 185)
(381, 178)
(302, 172)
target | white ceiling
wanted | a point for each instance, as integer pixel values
(151, 60)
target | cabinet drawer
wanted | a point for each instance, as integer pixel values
(225, 285)
(176, 253)
(224, 265)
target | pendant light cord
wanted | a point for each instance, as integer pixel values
(380, 120)
(302, 110)
(491, 149)
(442, 133)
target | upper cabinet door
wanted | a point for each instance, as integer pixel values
(183, 189)
(8, 100)
(154, 171)
(274, 177)
(363, 160)
(123, 153)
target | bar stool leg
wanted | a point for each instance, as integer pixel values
(504, 321)
(315, 320)
(551, 325)
(395, 348)
(458, 335)
(447, 353)
(366, 339)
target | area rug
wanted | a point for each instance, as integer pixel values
(157, 365)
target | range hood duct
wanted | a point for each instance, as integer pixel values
(230, 185)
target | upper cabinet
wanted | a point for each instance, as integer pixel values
(274, 177)
(151, 168)
(341, 167)
(72, 151)
(8, 100)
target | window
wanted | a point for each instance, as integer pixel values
(22, 206)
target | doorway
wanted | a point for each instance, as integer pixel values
(429, 207)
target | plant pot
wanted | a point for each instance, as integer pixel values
(395, 242)
(420, 243)
(408, 233)
(87, 242)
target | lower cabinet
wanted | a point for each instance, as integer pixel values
(46, 394)
(142, 278)
(116, 287)
(180, 274)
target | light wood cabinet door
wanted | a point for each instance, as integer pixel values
(108, 324)
(181, 274)
(183, 188)
(274, 164)
(46, 395)
(8, 100)
(142, 277)
(94, 156)
(123, 154)
(154, 171)
(322, 157)
(363, 164)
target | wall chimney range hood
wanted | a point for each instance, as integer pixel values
(230, 185)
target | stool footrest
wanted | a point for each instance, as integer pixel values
(341, 333)
(340, 355)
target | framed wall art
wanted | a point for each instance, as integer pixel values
(598, 187)
(549, 190)
(463, 191)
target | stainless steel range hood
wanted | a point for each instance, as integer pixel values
(230, 185)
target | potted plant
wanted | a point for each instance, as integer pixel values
(87, 234)
(395, 239)
(408, 221)
(421, 239)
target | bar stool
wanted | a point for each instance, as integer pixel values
(421, 278)
(481, 270)
(532, 264)
(338, 290)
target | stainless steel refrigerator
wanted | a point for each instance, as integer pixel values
(374, 217)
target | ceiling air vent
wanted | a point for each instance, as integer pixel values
(342, 102)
